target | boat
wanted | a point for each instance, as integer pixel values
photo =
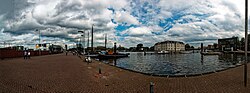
(211, 53)
(186, 52)
(92, 55)
(112, 56)
(163, 52)
(106, 55)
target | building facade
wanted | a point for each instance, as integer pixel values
(172, 46)
(228, 44)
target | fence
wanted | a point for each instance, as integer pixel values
(10, 53)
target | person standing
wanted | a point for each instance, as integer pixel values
(66, 47)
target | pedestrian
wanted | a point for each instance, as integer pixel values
(25, 55)
(29, 54)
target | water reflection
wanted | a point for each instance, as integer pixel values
(202, 59)
(110, 61)
(234, 59)
(177, 64)
(115, 62)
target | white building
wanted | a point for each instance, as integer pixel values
(172, 46)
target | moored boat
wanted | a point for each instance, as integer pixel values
(211, 53)
(106, 55)
(163, 52)
(112, 56)
(186, 52)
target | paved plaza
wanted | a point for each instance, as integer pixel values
(70, 74)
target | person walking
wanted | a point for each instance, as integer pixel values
(29, 54)
(25, 54)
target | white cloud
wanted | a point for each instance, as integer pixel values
(193, 20)
(164, 14)
(125, 17)
(169, 5)
(203, 20)
(111, 25)
(138, 31)
(118, 4)
(155, 28)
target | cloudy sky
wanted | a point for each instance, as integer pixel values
(127, 22)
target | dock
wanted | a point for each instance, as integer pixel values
(71, 74)
(238, 52)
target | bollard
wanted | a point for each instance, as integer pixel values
(151, 87)
(100, 70)
(87, 60)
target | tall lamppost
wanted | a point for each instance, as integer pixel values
(92, 39)
(105, 40)
(39, 48)
(88, 41)
(246, 42)
(83, 36)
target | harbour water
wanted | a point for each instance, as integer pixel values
(176, 64)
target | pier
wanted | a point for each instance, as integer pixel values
(61, 73)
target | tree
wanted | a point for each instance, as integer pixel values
(215, 46)
(242, 44)
(132, 49)
(187, 47)
(146, 48)
(192, 47)
(121, 48)
(151, 48)
(139, 47)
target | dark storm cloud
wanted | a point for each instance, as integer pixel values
(19, 32)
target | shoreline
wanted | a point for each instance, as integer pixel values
(170, 76)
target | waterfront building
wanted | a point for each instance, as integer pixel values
(212, 46)
(18, 48)
(228, 44)
(172, 46)
(54, 49)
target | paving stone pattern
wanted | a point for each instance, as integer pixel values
(70, 74)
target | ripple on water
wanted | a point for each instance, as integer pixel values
(177, 64)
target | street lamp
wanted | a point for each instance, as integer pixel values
(246, 42)
(39, 49)
(92, 39)
(83, 36)
(88, 41)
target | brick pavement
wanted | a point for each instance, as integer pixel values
(60, 73)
